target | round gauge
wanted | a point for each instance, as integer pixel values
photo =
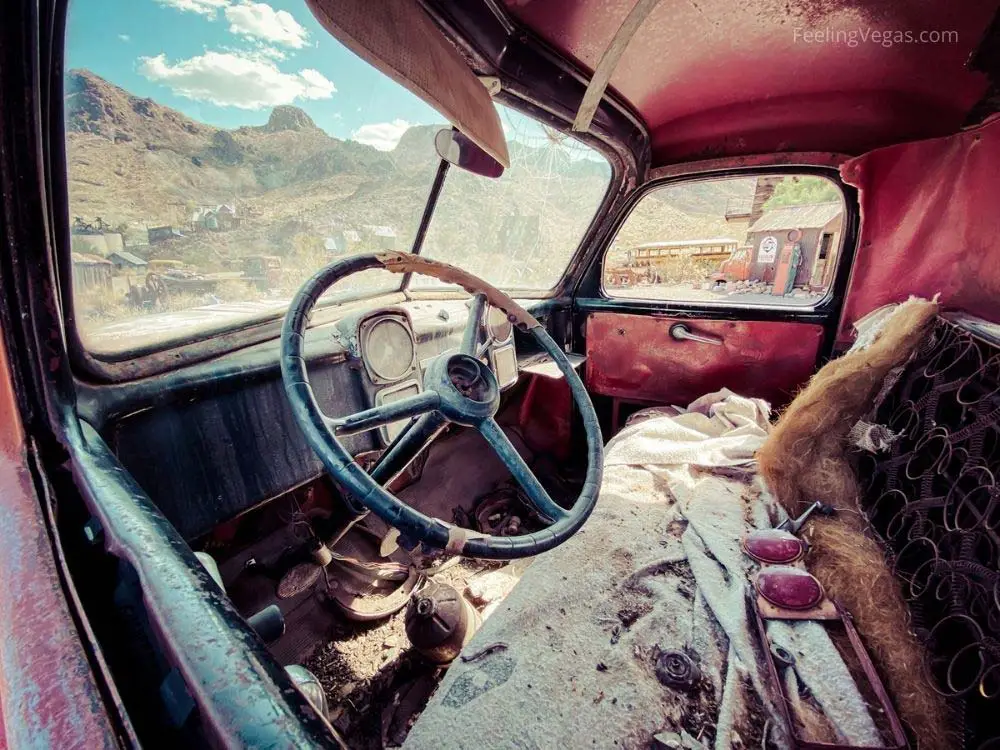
(499, 327)
(388, 349)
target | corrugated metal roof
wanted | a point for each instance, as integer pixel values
(689, 243)
(87, 259)
(128, 257)
(807, 216)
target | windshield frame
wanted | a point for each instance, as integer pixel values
(214, 341)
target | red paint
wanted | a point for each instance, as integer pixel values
(545, 416)
(930, 223)
(633, 357)
(48, 697)
(789, 588)
(774, 546)
(718, 78)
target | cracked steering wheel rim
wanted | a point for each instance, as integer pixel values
(459, 393)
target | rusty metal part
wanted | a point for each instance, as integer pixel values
(485, 651)
(794, 525)
(48, 692)
(898, 736)
(786, 159)
(675, 669)
(439, 622)
(300, 578)
(504, 512)
(407, 263)
(933, 495)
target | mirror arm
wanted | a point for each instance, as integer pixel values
(425, 220)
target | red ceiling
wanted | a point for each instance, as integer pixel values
(721, 77)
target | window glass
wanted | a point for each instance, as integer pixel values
(221, 151)
(520, 230)
(768, 240)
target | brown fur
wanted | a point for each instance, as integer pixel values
(806, 458)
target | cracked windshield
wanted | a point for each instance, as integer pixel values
(771, 240)
(221, 151)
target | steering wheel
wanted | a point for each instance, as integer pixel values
(457, 388)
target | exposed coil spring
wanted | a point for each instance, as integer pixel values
(934, 496)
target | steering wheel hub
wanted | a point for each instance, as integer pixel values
(468, 389)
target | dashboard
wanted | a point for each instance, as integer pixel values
(212, 440)
(394, 353)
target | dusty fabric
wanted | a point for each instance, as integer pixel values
(719, 429)
(808, 457)
(657, 568)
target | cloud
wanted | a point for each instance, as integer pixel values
(201, 7)
(261, 21)
(381, 135)
(273, 52)
(125, 37)
(232, 79)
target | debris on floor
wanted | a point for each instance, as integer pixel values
(375, 682)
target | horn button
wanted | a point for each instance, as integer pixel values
(468, 388)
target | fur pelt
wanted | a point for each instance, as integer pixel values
(807, 458)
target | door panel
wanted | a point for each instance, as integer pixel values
(635, 358)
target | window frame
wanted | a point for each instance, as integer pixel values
(144, 361)
(792, 168)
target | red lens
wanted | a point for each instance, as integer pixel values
(774, 546)
(789, 588)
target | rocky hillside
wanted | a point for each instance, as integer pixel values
(136, 163)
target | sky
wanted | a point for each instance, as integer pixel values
(229, 62)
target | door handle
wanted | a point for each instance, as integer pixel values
(681, 332)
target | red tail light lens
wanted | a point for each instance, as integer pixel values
(789, 588)
(774, 546)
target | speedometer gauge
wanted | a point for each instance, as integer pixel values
(500, 328)
(387, 348)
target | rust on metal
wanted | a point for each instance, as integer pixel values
(47, 691)
(407, 263)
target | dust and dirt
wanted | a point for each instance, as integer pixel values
(376, 684)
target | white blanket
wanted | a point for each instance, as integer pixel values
(658, 567)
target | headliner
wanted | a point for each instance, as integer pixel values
(717, 78)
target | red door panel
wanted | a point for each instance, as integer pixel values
(634, 357)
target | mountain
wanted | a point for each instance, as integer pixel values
(136, 164)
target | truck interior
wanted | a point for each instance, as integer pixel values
(633, 381)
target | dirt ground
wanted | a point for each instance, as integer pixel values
(376, 685)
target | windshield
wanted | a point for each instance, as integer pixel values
(520, 231)
(221, 151)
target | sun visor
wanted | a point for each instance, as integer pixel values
(398, 38)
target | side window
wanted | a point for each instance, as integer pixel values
(766, 240)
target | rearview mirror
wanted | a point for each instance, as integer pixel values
(457, 148)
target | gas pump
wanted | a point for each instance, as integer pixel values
(788, 264)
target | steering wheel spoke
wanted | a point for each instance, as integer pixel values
(379, 416)
(409, 444)
(470, 338)
(537, 495)
(460, 389)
